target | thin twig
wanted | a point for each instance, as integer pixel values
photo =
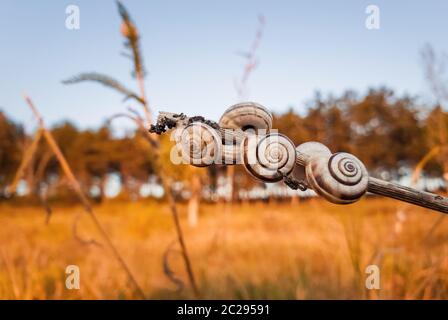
(152, 140)
(181, 238)
(47, 208)
(27, 157)
(171, 201)
(82, 197)
(78, 238)
(133, 40)
(251, 59)
(167, 269)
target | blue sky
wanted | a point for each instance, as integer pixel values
(189, 51)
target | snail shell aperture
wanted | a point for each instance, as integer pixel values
(270, 157)
(246, 115)
(341, 178)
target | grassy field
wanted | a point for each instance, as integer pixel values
(308, 250)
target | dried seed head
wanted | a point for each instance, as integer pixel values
(128, 30)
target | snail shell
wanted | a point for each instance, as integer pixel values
(200, 145)
(246, 115)
(237, 119)
(304, 152)
(268, 158)
(340, 178)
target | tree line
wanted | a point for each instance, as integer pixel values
(390, 134)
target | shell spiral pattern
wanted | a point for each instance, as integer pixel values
(341, 178)
(268, 158)
(200, 145)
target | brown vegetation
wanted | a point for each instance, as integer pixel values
(312, 250)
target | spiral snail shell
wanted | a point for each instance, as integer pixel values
(237, 119)
(340, 178)
(268, 158)
(200, 145)
(246, 115)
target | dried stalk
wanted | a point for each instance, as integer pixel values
(180, 238)
(172, 202)
(141, 87)
(27, 157)
(167, 269)
(133, 40)
(251, 63)
(172, 205)
(251, 60)
(47, 208)
(82, 197)
(130, 33)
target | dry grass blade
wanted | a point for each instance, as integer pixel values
(130, 32)
(106, 81)
(181, 239)
(83, 198)
(25, 162)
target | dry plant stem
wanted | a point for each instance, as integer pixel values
(418, 169)
(47, 208)
(181, 239)
(414, 179)
(179, 232)
(167, 188)
(166, 266)
(143, 96)
(417, 197)
(82, 197)
(434, 151)
(171, 200)
(140, 124)
(393, 236)
(25, 162)
(154, 142)
(251, 60)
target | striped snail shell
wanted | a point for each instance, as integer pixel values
(246, 115)
(237, 119)
(200, 145)
(340, 178)
(268, 158)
